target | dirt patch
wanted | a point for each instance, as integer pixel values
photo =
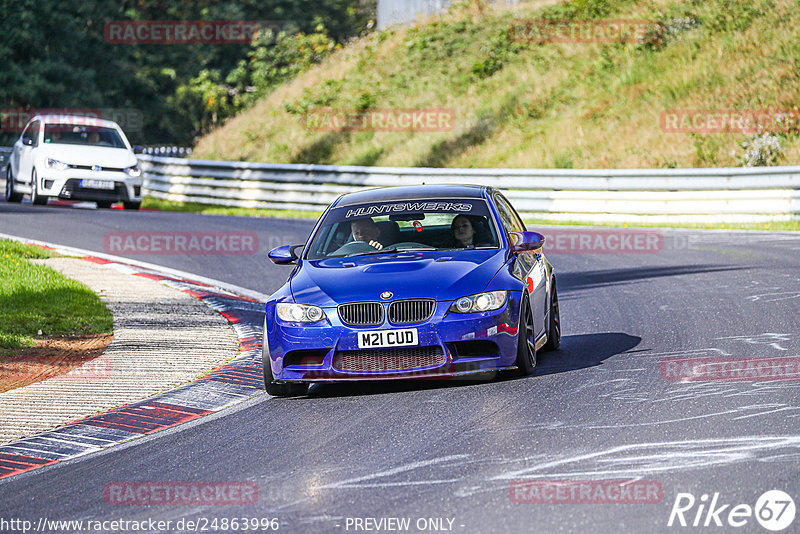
(56, 356)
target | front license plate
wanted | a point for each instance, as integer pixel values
(388, 338)
(97, 184)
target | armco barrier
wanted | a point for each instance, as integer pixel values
(657, 195)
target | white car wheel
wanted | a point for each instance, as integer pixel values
(36, 198)
(11, 196)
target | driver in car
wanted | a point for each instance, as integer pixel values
(366, 230)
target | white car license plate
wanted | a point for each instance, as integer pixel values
(97, 184)
(388, 338)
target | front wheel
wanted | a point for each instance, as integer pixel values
(36, 198)
(526, 344)
(11, 196)
(281, 389)
(554, 328)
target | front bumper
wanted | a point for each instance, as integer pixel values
(471, 343)
(67, 185)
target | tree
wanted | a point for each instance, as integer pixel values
(54, 55)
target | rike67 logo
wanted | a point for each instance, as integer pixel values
(774, 510)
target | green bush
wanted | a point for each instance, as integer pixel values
(322, 96)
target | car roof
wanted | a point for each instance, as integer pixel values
(412, 192)
(75, 119)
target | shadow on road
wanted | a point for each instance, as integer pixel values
(576, 352)
(609, 277)
(584, 350)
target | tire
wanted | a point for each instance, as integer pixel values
(11, 196)
(36, 198)
(526, 344)
(554, 328)
(274, 388)
(132, 205)
(104, 204)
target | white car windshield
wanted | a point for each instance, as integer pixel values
(79, 134)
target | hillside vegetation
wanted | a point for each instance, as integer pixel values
(551, 105)
(56, 54)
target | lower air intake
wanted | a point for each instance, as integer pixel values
(376, 361)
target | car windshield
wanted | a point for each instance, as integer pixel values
(80, 134)
(399, 225)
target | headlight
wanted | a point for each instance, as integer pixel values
(482, 302)
(134, 171)
(51, 163)
(299, 313)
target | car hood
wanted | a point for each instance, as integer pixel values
(89, 155)
(445, 275)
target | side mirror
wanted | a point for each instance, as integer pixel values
(27, 141)
(526, 242)
(138, 149)
(284, 255)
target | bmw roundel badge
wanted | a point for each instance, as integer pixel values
(386, 295)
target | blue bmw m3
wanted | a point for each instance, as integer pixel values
(410, 282)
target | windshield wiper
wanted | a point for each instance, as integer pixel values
(471, 247)
(392, 249)
(387, 250)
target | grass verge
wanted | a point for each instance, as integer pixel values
(206, 209)
(36, 298)
(190, 207)
(774, 226)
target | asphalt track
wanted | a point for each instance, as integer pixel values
(598, 409)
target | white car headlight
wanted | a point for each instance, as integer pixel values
(482, 302)
(299, 313)
(51, 163)
(134, 171)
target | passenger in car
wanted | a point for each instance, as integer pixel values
(465, 233)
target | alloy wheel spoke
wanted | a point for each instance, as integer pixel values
(530, 334)
(557, 321)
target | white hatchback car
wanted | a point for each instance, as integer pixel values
(74, 158)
